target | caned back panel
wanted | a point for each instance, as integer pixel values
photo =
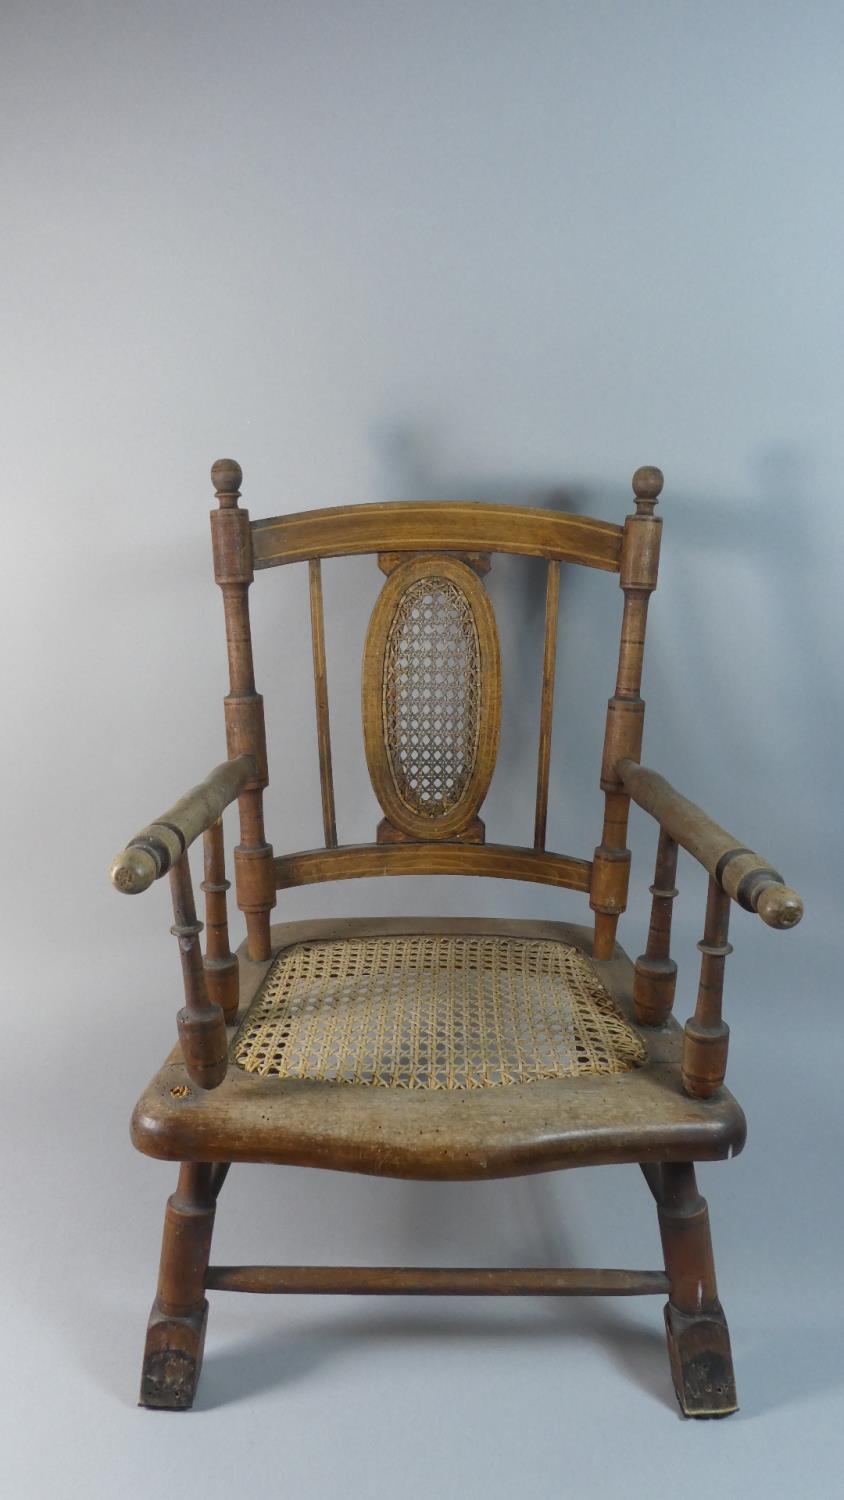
(431, 697)
(431, 685)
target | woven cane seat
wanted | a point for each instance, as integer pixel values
(434, 1012)
(495, 1046)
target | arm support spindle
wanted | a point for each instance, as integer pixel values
(202, 1026)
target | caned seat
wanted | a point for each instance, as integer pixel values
(540, 1064)
(434, 1011)
(451, 1049)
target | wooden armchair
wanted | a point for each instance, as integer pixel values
(452, 1049)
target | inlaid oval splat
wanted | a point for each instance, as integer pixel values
(431, 697)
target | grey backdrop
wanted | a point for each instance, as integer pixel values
(453, 248)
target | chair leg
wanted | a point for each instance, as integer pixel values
(698, 1337)
(176, 1329)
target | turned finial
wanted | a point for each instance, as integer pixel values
(647, 487)
(227, 477)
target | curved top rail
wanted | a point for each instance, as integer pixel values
(436, 526)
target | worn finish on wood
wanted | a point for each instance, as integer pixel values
(202, 1027)
(625, 712)
(698, 1338)
(326, 781)
(480, 562)
(351, 861)
(220, 964)
(665, 1114)
(244, 707)
(546, 713)
(440, 1281)
(707, 1035)
(435, 526)
(745, 876)
(656, 971)
(643, 1115)
(379, 684)
(153, 851)
(176, 1330)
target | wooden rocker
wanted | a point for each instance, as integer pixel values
(453, 1049)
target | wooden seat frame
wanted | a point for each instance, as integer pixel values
(205, 1113)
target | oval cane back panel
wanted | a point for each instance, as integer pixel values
(434, 1012)
(431, 697)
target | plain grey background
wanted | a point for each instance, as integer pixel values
(443, 248)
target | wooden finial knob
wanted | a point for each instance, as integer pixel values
(227, 477)
(647, 487)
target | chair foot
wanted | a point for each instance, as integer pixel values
(176, 1329)
(701, 1361)
(172, 1359)
(698, 1337)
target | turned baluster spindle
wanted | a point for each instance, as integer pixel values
(549, 663)
(221, 976)
(625, 710)
(202, 1028)
(244, 707)
(655, 975)
(326, 780)
(706, 1034)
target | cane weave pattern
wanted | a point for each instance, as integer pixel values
(431, 696)
(434, 1013)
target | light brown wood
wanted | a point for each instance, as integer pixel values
(451, 823)
(153, 851)
(219, 963)
(707, 1035)
(244, 707)
(503, 861)
(438, 525)
(656, 971)
(641, 1116)
(439, 1281)
(480, 562)
(698, 1337)
(546, 713)
(326, 781)
(202, 1028)
(625, 712)
(176, 1330)
(745, 876)
(667, 1110)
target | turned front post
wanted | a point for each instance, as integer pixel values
(625, 711)
(244, 707)
(221, 977)
(202, 1027)
(655, 975)
(706, 1034)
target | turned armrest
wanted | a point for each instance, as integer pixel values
(153, 851)
(745, 876)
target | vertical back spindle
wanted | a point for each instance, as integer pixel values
(221, 977)
(625, 711)
(549, 662)
(326, 781)
(253, 858)
(655, 976)
(202, 1029)
(706, 1034)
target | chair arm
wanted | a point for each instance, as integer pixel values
(153, 851)
(745, 876)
